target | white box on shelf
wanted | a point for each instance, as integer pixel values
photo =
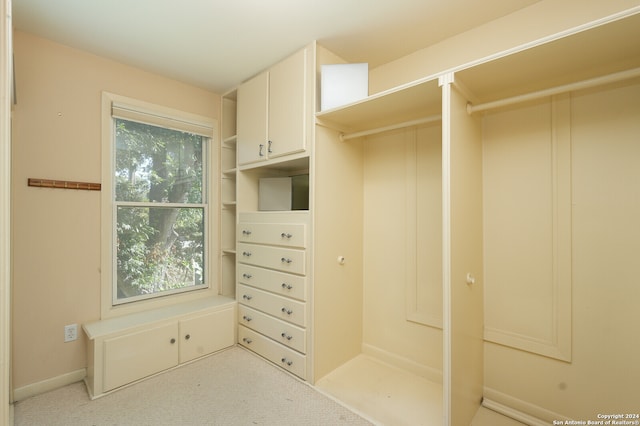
(342, 84)
(274, 193)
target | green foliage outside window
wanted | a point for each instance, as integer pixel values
(159, 196)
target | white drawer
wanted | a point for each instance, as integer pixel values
(286, 358)
(276, 282)
(280, 331)
(282, 234)
(282, 259)
(280, 307)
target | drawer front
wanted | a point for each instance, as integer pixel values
(280, 331)
(276, 282)
(281, 234)
(281, 259)
(280, 307)
(287, 358)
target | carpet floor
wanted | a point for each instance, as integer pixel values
(232, 387)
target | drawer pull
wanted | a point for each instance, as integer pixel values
(247, 276)
(286, 235)
(286, 260)
(172, 341)
(286, 311)
(246, 232)
(247, 340)
(287, 286)
(246, 253)
(287, 336)
(247, 296)
(246, 318)
(187, 337)
(286, 361)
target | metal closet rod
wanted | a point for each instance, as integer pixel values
(585, 84)
(430, 119)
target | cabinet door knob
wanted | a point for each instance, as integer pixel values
(286, 260)
(286, 311)
(286, 235)
(287, 336)
(187, 337)
(172, 341)
(286, 361)
(287, 286)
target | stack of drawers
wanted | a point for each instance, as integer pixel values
(272, 287)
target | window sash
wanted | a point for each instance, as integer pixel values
(144, 116)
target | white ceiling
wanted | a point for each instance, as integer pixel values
(216, 44)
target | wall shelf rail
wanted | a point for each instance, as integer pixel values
(63, 184)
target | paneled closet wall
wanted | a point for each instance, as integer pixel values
(561, 238)
(403, 248)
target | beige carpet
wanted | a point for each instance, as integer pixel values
(233, 387)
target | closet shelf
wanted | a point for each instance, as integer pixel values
(406, 103)
(584, 55)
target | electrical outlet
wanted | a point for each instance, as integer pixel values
(70, 332)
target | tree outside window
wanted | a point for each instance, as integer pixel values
(160, 210)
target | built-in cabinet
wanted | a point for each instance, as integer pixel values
(126, 349)
(272, 109)
(272, 290)
(302, 280)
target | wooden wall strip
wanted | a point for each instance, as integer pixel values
(64, 184)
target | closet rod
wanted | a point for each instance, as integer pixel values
(431, 119)
(585, 84)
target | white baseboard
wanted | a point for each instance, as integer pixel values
(429, 373)
(525, 412)
(49, 384)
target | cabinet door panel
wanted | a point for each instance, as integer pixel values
(206, 334)
(252, 119)
(287, 105)
(137, 355)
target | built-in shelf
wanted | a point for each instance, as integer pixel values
(414, 101)
(231, 140)
(557, 62)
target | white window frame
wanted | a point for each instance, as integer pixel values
(116, 106)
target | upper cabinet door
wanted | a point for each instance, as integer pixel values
(271, 112)
(253, 101)
(287, 106)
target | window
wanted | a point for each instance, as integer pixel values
(157, 221)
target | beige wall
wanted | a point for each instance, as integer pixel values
(56, 233)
